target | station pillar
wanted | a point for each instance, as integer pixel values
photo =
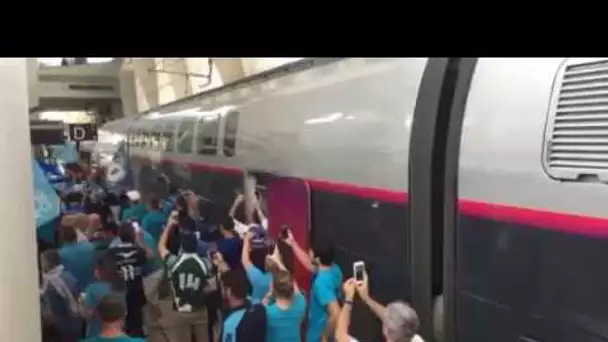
(19, 298)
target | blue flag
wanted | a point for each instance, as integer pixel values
(118, 176)
(46, 202)
(65, 153)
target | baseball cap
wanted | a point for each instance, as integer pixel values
(133, 195)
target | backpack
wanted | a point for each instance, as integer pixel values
(192, 279)
(246, 324)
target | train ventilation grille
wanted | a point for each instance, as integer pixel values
(577, 129)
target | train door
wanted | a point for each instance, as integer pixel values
(433, 167)
(288, 201)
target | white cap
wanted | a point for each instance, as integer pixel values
(133, 195)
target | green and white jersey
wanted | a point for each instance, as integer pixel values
(191, 278)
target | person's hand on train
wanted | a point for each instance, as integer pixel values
(290, 239)
(349, 287)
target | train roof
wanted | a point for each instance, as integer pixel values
(288, 68)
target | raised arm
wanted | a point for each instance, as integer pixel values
(237, 201)
(245, 258)
(260, 212)
(300, 253)
(363, 290)
(344, 317)
(277, 259)
(163, 249)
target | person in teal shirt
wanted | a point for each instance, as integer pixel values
(325, 292)
(324, 296)
(76, 257)
(154, 263)
(107, 283)
(254, 262)
(136, 210)
(111, 311)
(284, 316)
(154, 221)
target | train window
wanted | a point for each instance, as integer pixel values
(576, 147)
(136, 138)
(142, 138)
(168, 136)
(145, 139)
(130, 138)
(185, 135)
(206, 135)
(232, 123)
(156, 130)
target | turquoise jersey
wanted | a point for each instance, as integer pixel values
(92, 296)
(325, 290)
(155, 262)
(78, 258)
(153, 223)
(283, 325)
(135, 212)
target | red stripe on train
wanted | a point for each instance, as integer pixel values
(567, 223)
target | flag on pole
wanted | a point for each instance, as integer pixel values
(46, 202)
(118, 174)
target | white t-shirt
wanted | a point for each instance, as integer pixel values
(241, 228)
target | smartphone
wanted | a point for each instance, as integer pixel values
(359, 271)
(284, 234)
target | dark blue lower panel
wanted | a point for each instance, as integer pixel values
(516, 280)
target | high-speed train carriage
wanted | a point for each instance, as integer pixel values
(472, 188)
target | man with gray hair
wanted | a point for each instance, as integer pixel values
(399, 321)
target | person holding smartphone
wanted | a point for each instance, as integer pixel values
(285, 304)
(399, 321)
(324, 305)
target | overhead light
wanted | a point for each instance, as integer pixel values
(324, 119)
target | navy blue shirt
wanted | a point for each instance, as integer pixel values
(230, 248)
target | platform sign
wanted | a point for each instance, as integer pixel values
(46, 201)
(83, 132)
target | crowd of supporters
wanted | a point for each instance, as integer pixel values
(129, 267)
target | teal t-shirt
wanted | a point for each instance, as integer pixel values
(260, 283)
(92, 296)
(155, 262)
(283, 325)
(135, 212)
(325, 289)
(78, 259)
(123, 338)
(153, 223)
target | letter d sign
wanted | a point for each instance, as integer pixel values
(79, 133)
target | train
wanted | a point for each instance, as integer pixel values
(472, 187)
